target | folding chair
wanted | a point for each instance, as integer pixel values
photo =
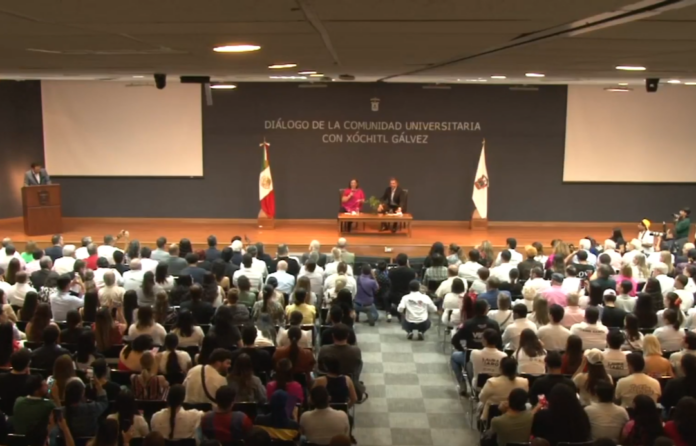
(475, 392)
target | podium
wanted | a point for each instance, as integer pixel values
(41, 207)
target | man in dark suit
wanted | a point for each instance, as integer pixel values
(392, 200)
(175, 263)
(196, 272)
(36, 176)
(55, 251)
(230, 268)
(44, 356)
(212, 253)
(314, 246)
(38, 278)
(282, 254)
(400, 278)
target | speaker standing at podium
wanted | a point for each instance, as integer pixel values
(36, 176)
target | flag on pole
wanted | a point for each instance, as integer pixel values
(266, 194)
(480, 195)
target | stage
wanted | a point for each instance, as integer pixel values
(298, 233)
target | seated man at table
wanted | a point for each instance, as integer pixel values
(391, 201)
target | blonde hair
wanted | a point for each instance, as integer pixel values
(573, 299)
(487, 248)
(651, 346)
(561, 249)
(339, 284)
(541, 311)
(147, 362)
(627, 271)
(30, 246)
(531, 251)
(666, 258)
(639, 260)
(529, 293)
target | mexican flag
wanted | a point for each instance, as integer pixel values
(266, 194)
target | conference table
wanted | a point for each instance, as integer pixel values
(403, 222)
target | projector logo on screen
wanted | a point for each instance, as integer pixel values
(481, 182)
(266, 182)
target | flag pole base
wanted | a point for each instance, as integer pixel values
(477, 223)
(265, 222)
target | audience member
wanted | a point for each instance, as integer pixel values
(633, 338)
(688, 348)
(544, 384)
(223, 423)
(606, 418)
(128, 417)
(301, 359)
(554, 335)
(203, 380)
(172, 361)
(681, 428)
(511, 335)
(187, 331)
(592, 333)
(34, 410)
(645, 426)
(278, 424)
(44, 356)
(323, 423)
(483, 361)
(285, 380)
(515, 424)
(260, 359)
(416, 307)
(612, 316)
(14, 384)
(349, 357)
(82, 415)
(241, 379)
(498, 388)
(530, 354)
(590, 373)
(637, 383)
(174, 422)
(656, 365)
(564, 420)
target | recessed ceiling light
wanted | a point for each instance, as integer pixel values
(316, 75)
(618, 89)
(236, 48)
(674, 81)
(138, 77)
(280, 66)
(623, 83)
(630, 68)
(287, 77)
(471, 80)
(534, 75)
(496, 76)
(306, 72)
(689, 83)
(223, 86)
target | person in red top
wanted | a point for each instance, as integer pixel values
(352, 199)
(91, 261)
(223, 424)
(682, 428)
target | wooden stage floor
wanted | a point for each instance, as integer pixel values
(297, 233)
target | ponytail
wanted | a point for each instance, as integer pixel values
(173, 365)
(172, 422)
(294, 335)
(175, 398)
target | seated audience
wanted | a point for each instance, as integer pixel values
(202, 311)
(633, 338)
(174, 422)
(540, 314)
(544, 384)
(74, 329)
(643, 310)
(240, 313)
(592, 333)
(285, 380)
(563, 420)
(554, 335)
(302, 359)
(515, 424)
(268, 306)
(148, 385)
(34, 410)
(63, 301)
(472, 329)
(606, 418)
(614, 359)
(573, 314)
(688, 348)
(278, 424)
(101, 374)
(128, 417)
(483, 361)
(223, 423)
(626, 300)
(511, 335)
(171, 361)
(309, 312)
(416, 307)
(203, 380)
(335, 317)
(223, 328)
(44, 356)
(671, 336)
(349, 356)
(612, 316)
(681, 428)
(645, 425)
(340, 387)
(656, 365)
(323, 423)
(129, 358)
(555, 294)
(39, 322)
(146, 325)
(498, 388)
(260, 358)
(86, 352)
(81, 415)
(530, 354)
(682, 386)
(587, 381)
(246, 386)
(637, 383)
(187, 331)
(491, 293)
(503, 315)
(14, 384)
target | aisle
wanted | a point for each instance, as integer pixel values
(413, 399)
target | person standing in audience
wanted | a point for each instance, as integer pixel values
(592, 333)
(203, 380)
(223, 423)
(554, 335)
(530, 354)
(586, 381)
(614, 360)
(606, 418)
(416, 307)
(175, 422)
(688, 348)
(512, 333)
(365, 297)
(637, 383)
(656, 365)
(554, 376)
(323, 423)
(645, 426)
(563, 420)
(515, 424)
(498, 388)
(483, 361)
(202, 311)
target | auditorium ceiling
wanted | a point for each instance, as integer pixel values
(433, 41)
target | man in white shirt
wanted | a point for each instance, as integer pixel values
(446, 285)
(606, 418)
(515, 257)
(487, 360)
(660, 271)
(11, 253)
(108, 248)
(687, 298)
(586, 245)
(480, 285)
(62, 301)
(331, 267)
(341, 271)
(315, 277)
(592, 333)
(286, 281)
(252, 274)
(417, 307)
(146, 263)
(689, 349)
(502, 271)
(637, 383)
(536, 282)
(215, 370)
(610, 249)
(16, 293)
(469, 269)
(614, 359)
(65, 264)
(103, 268)
(133, 279)
(257, 264)
(554, 335)
(511, 335)
(81, 252)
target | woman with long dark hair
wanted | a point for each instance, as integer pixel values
(223, 328)
(219, 270)
(265, 332)
(63, 373)
(128, 416)
(107, 434)
(129, 358)
(163, 313)
(146, 292)
(107, 332)
(185, 247)
(633, 337)
(644, 312)
(31, 301)
(8, 345)
(241, 379)
(618, 238)
(645, 425)
(654, 290)
(436, 248)
(269, 307)
(682, 428)
(172, 361)
(146, 325)
(187, 331)
(89, 310)
(175, 422)
(530, 354)
(285, 380)
(42, 319)
(74, 328)
(163, 280)
(130, 306)
(302, 359)
(586, 382)
(210, 343)
(86, 352)
(564, 420)
(12, 269)
(339, 386)
(573, 356)
(212, 292)
(133, 250)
